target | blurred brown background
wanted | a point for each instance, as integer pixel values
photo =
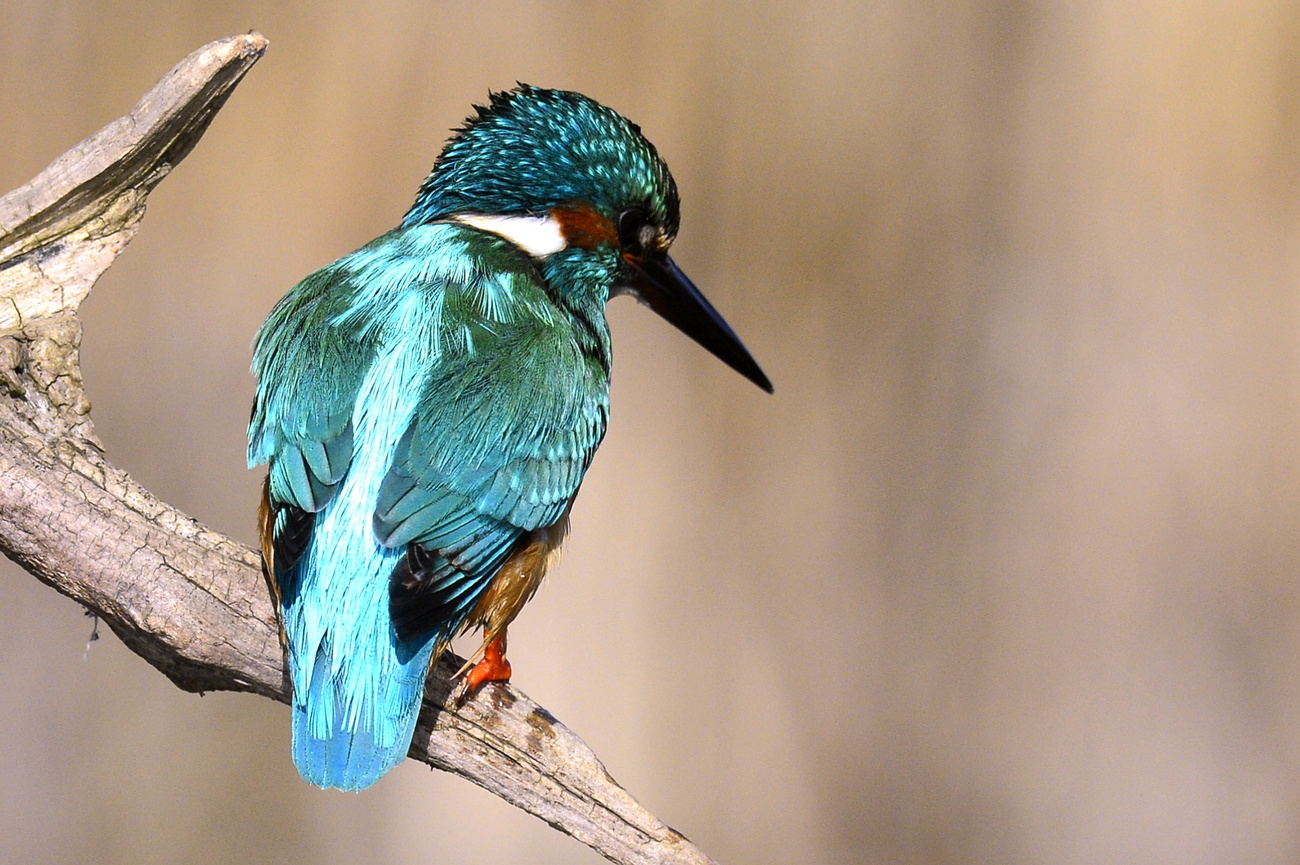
(1006, 571)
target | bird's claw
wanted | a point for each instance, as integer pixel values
(492, 667)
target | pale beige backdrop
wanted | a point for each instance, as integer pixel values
(1008, 570)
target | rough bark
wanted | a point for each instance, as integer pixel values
(187, 599)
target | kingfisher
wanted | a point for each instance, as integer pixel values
(428, 405)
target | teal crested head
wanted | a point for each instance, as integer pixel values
(530, 150)
(555, 171)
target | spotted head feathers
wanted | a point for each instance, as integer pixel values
(531, 149)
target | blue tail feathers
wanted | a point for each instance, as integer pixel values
(357, 688)
(333, 747)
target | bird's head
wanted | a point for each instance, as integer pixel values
(557, 172)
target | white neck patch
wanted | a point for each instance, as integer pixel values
(539, 236)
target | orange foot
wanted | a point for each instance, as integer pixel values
(493, 668)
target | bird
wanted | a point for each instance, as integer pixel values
(427, 407)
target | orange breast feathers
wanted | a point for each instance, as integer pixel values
(518, 580)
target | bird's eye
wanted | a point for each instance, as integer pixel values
(635, 233)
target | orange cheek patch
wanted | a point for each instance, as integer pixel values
(583, 226)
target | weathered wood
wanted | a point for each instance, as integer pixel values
(187, 599)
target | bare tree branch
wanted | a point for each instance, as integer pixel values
(189, 600)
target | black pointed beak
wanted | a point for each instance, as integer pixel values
(668, 291)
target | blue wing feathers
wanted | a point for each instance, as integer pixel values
(423, 400)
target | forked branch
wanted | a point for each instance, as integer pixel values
(189, 600)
